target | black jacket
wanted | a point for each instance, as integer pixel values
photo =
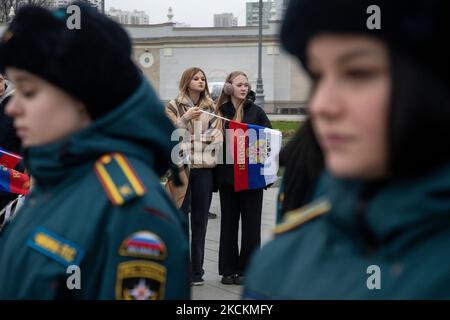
(8, 138)
(253, 114)
(8, 141)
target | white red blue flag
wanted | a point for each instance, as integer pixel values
(255, 152)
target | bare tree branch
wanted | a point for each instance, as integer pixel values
(5, 6)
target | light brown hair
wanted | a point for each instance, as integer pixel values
(186, 79)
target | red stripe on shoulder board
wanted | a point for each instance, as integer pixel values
(102, 182)
(133, 171)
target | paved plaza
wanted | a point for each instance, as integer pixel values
(213, 289)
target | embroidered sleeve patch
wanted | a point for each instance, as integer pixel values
(55, 247)
(140, 280)
(118, 178)
(143, 244)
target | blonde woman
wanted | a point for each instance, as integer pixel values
(193, 110)
(236, 102)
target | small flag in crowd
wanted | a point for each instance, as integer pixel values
(255, 152)
(9, 159)
(13, 181)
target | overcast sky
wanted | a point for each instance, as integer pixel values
(197, 13)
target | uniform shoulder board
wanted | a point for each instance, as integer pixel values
(297, 217)
(118, 178)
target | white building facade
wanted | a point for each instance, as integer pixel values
(281, 7)
(225, 20)
(128, 17)
(99, 4)
(164, 51)
(252, 12)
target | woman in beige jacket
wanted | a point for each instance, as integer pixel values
(193, 111)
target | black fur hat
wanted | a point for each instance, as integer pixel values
(92, 63)
(417, 28)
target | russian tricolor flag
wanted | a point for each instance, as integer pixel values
(12, 181)
(9, 159)
(255, 152)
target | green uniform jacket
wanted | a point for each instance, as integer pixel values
(98, 225)
(389, 241)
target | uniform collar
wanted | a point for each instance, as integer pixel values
(391, 209)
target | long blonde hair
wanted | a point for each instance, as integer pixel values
(223, 98)
(186, 79)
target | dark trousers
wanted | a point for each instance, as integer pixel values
(246, 205)
(186, 205)
(200, 193)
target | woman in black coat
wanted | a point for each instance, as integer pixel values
(236, 102)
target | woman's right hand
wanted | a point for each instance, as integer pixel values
(192, 113)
